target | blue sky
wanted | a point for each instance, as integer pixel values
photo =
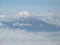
(33, 6)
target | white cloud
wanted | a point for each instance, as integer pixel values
(22, 24)
(2, 16)
(10, 36)
(46, 14)
(6, 18)
(2, 25)
(51, 18)
(23, 14)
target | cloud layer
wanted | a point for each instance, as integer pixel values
(51, 18)
(9, 36)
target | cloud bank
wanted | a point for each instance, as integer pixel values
(9, 36)
(50, 18)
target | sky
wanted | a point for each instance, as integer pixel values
(35, 7)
